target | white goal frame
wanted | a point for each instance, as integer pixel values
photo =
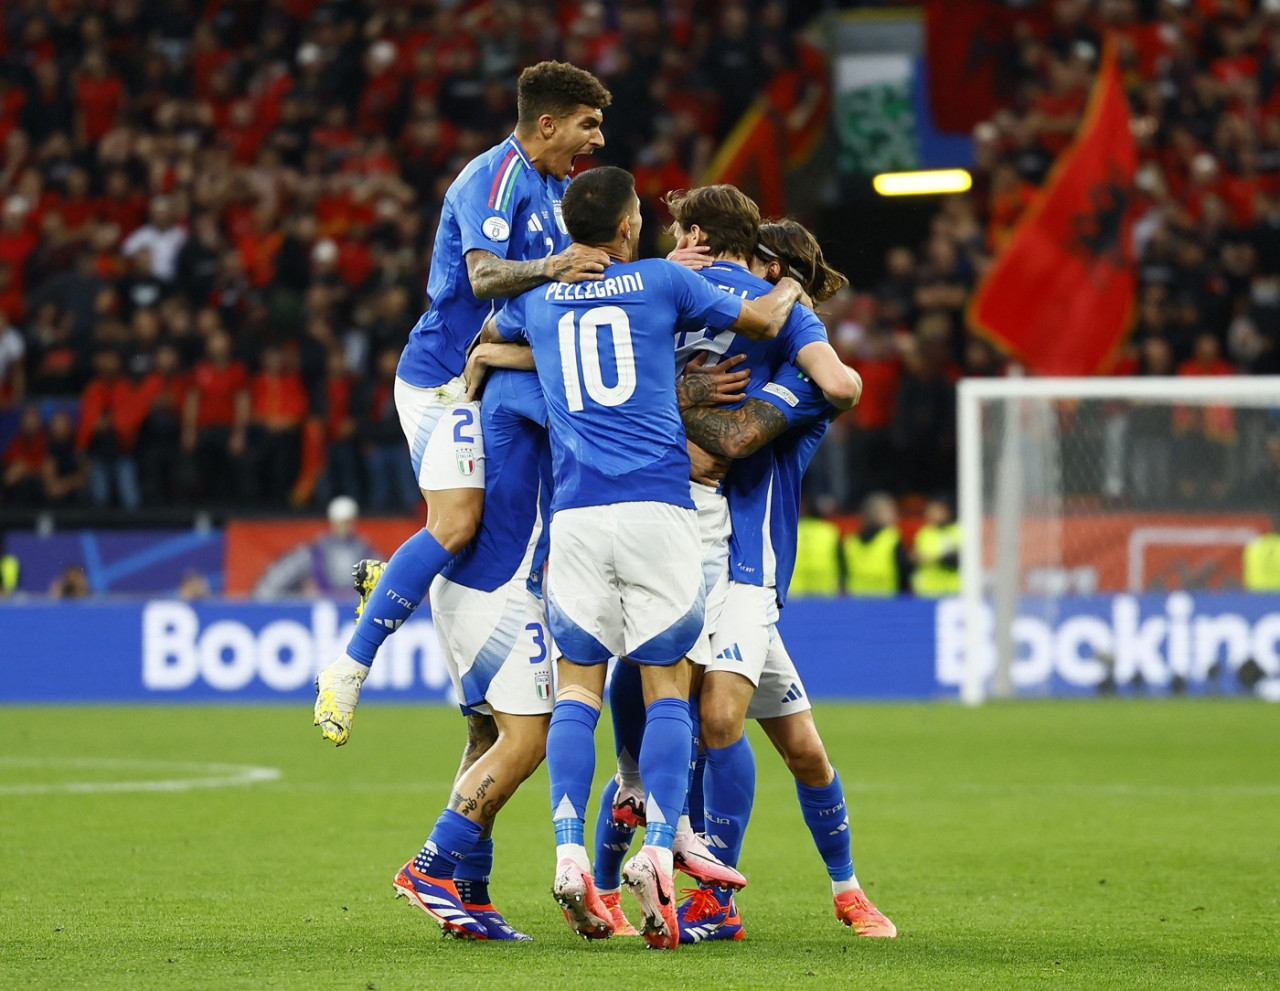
(972, 393)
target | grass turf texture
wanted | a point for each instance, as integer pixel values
(1065, 844)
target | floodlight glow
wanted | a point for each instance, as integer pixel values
(922, 183)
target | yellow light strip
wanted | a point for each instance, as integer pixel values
(922, 183)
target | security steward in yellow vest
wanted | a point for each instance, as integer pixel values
(8, 574)
(937, 551)
(876, 563)
(817, 570)
(1262, 562)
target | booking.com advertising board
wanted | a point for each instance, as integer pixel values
(171, 650)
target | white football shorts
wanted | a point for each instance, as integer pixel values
(496, 645)
(747, 642)
(625, 579)
(714, 529)
(445, 440)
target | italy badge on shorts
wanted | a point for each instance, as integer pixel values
(466, 460)
(542, 682)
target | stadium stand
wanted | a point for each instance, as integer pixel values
(238, 200)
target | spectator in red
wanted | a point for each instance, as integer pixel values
(259, 246)
(278, 408)
(381, 107)
(216, 419)
(99, 96)
(107, 433)
(23, 461)
(335, 401)
(121, 205)
(869, 426)
(161, 398)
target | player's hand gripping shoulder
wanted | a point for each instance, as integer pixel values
(761, 318)
(577, 263)
(718, 385)
(499, 278)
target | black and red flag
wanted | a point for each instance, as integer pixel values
(1060, 295)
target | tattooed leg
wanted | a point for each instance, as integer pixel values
(492, 778)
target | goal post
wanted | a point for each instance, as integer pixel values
(1077, 487)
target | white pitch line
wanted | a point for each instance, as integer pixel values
(203, 775)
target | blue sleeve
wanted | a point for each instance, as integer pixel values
(803, 327)
(481, 225)
(795, 394)
(510, 321)
(698, 303)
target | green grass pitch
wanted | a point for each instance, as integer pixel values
(1071, 844)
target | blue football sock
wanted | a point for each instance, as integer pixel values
(612, 842)
(729, 789)
(451, 839)
(402, 587)
(827, 817)
(571, 763)
(472, 875)
(693, 803)
(664, 767)
(626, 705)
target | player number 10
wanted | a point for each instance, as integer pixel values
(582, 340)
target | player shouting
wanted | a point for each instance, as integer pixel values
(501, 233)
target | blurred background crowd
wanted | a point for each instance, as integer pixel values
(216, 221)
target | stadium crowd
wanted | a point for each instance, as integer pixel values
(215, 222)
(217, 218)
(1203, 78)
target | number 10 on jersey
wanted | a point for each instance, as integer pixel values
(580, 357)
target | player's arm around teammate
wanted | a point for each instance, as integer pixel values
(500, 233)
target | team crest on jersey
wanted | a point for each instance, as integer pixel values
(559, 214)
(496, 229)
(466, 460)
(542, 683)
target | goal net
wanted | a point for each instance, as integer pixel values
(1072, 490)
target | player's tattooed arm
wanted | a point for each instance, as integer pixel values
(497, 278)
(714, 386)
(735, 433)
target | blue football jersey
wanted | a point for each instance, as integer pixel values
(763, 489)
(603, 352)
(501, 204)
(763, 357)
(517, 484)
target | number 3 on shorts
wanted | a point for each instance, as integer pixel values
(539, 641)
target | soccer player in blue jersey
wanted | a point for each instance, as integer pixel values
(723, 221)
(774, 434)
(625, 576)
(488, 612)
(501, 233)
